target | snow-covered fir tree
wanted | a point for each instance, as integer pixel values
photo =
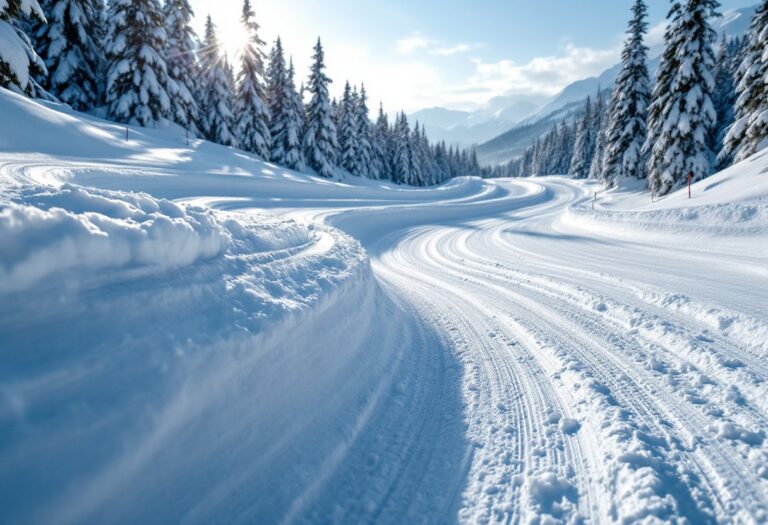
(182, 62)
(401, 158)
(139, 90)
(626, 133)
(682, 115)
(19, 62)
(749, 132)
(216, 97)
(286, 111)
(347, 131)
(253, 117)
(597, 168)
(294, 129)
(365, 165)
(71, 53)
(381, 147)
(277, 100)
(416, 157)
(584, 148)
(320, 142)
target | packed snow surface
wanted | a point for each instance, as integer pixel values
(186, 335)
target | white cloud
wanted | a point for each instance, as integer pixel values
(542, 75)
(411, 44)
(454, 50)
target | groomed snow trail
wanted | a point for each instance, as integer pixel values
(593, 389)
(510, 355)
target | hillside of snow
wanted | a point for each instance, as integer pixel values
(189, 334)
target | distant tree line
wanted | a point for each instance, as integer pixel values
(707, 109)
(140, 63)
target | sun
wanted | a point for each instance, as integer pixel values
(233, 36)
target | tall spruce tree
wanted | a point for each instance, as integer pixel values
(286, 111)
(182, 61)
(139, 90)
(682, 115)
(71, 52)
(627, 124)
(347, 123)
(365, 164)
(19, 62)
(749, 132)
(584, 148)
(416, 156)
(216, 116)
(380, 148)
(320, 142)
(401, 160)
(278, 101)
(294, 128)
(253, 118)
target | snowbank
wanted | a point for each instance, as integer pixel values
(73, 230)
(733, 202)
(149, 345)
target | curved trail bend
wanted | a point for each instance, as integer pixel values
(590, 390)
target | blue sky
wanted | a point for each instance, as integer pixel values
(422, 53)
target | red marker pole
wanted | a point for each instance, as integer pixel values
(690, 178)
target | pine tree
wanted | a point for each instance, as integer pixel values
(584, 148)
(380, 149)
(294, 129)
(627, 125)
(416, 156)
(682, 115)
(401, 159)
(286, 111)
(278, 101)
(365, 164)
(253, 117)
(182, 62)
(19, 62)
(71, 54)
(216, 117)
(139, 90)
(749, 132)
(320, 142)
(348, 131)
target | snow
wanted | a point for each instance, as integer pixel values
(217, 339)
(13, 51)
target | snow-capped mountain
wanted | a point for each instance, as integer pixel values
(512, 142)
(508, 124)
(474, 127)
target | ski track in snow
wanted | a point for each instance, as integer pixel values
(589, 394)
(514, 357)
(537, 373)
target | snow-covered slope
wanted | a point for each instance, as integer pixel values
(215, 349)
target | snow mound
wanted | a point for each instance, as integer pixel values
(148, 345)
(733, 202)
(53, 231)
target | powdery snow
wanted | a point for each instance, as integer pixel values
(501, 352)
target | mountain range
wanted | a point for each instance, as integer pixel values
(507, 125)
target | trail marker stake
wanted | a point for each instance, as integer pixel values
(126, 133)
(690, 178)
